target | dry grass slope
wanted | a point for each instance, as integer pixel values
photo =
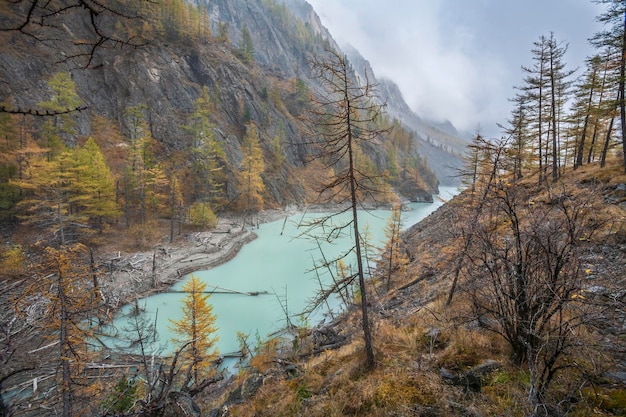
(427, 355)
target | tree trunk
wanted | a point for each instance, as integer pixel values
(64, 348)
(555, 138)
(581, 144)
(622, 104)
(367, 334)
(60, 221)
(607, 140)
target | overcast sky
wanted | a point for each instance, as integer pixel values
(459, 59)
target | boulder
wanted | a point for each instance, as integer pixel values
(180, 404)
(472, 379)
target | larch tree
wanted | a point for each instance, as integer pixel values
(587, 93)
(145, 183)
(344, 121)
(60, 127)
(47, 190)
(393, 170)
(63, 98)
(546, 91)
(393, 258)
(535, 90)
(175, 203)
(517, 130)
(613, 38)
(246, 47)
(605, 107)
(560, 85)
(278, 153)
(64, 302)
(196, 331)
(95, 188)
(208, 157)
(222, 32)
(19, 147)
(472, 162)
(69, 195)
(252, 168)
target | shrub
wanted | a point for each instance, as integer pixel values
(13, 260)
(201, 214)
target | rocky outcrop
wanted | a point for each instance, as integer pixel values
(414, 193)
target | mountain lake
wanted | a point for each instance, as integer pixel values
(270, 275)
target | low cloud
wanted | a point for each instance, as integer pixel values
(454, 60)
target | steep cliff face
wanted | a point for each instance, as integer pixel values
(167, 74)
(439, 143)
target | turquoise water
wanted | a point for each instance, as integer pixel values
(278, 265)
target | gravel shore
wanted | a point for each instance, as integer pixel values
(137, 274)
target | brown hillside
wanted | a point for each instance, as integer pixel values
(436, 359)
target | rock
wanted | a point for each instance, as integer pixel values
(462, 411)
(472, 379)
(617, 376)
(218, 412)
(449, 376)
(616, 195)
(246, 390)
(180, 404)
(484, 369)
(293, 371)
(415, 194)
(325, 336)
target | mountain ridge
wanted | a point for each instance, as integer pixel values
(439, 143)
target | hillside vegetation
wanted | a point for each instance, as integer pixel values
(513, 302)
(439, 355)
(173, 119)
(125, 127)
(129, 124)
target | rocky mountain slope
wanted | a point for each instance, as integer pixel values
(439, 143)
(166, 75)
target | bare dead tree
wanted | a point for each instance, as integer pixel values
(483, 169)
(344, 119)
(15, 334)
(525, 277)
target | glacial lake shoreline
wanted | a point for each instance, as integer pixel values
(249, 287)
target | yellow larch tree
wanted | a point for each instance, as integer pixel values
(253, 166)
(196, 330)
(64, 302)
(393, 259)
